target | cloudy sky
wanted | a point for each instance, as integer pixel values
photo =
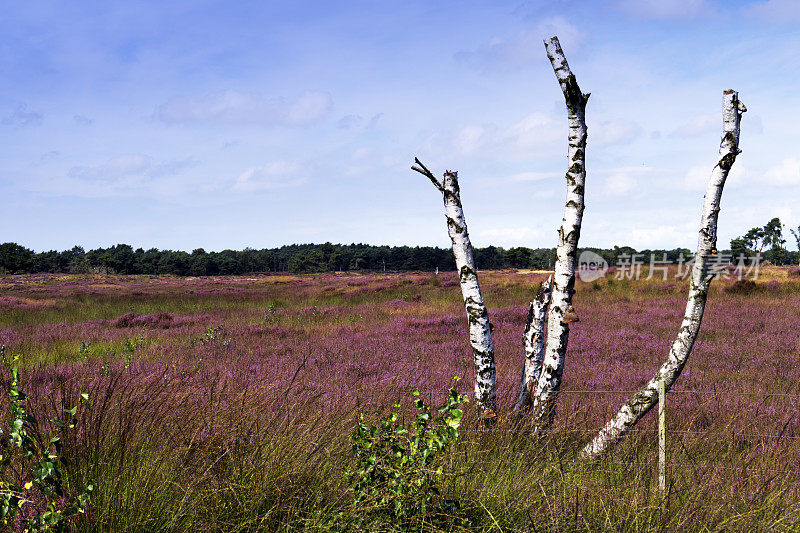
(232, 124)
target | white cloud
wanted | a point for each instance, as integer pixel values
(113, 170)
(535, 134)
(787, 172)
(520, 177)
(619, 184)
(785, 212)
(530, 176)
(699, 125)
(233, 107)
(666, 9)
(623, 180)
(696, 178)
(349, 122)
(533, 130)
(275, 175)
(646, 237)
(514, 236)
(614, 133)
(371, 161)
(472, 138)
(738, 176)
(778, 11)
(125, 175)
(568, 34)
(307, 109)
(755, 125)
(542, 194)
(361, 154)
(503, 54)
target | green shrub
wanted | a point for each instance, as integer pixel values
(398, 470)
(32, 492)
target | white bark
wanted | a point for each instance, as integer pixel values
(564, 276)
(644, 400)
(480, 335)
(533, 340)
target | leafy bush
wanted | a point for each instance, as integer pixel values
(32, 492)
(215, 334)
(398, 470)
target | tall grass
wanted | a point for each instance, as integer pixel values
(252, 434)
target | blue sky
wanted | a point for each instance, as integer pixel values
(232, 124)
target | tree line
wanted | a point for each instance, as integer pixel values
(309, 258)
(304, 258)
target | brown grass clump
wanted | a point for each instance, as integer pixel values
(742, 286)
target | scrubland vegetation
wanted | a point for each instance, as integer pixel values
(228, 403)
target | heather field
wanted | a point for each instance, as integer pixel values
(227, 403)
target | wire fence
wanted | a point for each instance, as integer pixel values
(390, 386)
(381, 387)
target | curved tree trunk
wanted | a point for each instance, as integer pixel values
(480, 335)
(533, 340)
(644, 400)
(568, 235)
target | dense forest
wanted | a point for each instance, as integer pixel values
(124, 259)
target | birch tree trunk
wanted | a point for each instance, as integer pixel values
(564, 276)
(533, 340)
(644, 400)
(480, 335)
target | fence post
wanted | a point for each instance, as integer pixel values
(662, 439)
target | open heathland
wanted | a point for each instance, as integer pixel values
(228, 403)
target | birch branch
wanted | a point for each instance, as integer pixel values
(533, 340)
(640, 403)
(480, 335)
(564, 276)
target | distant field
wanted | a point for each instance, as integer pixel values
(226, 403)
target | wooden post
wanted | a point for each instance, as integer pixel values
(662, 438)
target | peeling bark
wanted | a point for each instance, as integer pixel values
(533, 340)
(640, 403)
(549, 381)
(480, 335)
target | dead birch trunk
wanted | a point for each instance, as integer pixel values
(480, 335)
(644, 400)
(533, 340)
(568, 235)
